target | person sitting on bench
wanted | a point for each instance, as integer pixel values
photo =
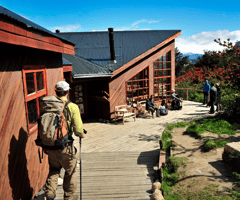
(150, 106)
(175, 101)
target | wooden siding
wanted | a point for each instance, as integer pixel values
(17, 35)
(117, 85)
(22, 175)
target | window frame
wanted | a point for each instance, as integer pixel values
(137, 89)
(28, 97)
(166, 58)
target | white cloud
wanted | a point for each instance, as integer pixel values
(204, 41)
(144, 21)
(139, 21)
(66, 28)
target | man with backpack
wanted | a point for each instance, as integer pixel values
(66, 157)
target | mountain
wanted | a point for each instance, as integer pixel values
(192, 57)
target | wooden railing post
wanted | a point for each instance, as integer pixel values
(187, 94)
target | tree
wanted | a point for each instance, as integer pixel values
(180, 62)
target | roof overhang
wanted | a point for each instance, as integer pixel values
(93, 76)
(13, 34)
(138, 58)
(67, 68)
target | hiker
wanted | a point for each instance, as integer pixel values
(162, 109)
(213, 97)
(206, 90)
(150, 106)
(219, 97)
(68, 158)
(175, 101)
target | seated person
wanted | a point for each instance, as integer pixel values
(175, 101)
(150, 106)
(162, 109)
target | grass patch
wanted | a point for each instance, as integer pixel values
(207, 193)
(166, 136)
(212, 144)
(181, 124)
(176, 162)
(214, 125)
(170, 127)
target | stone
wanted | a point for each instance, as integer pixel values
(157, 195)
(156, 186)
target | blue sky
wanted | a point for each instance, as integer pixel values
(200, 21)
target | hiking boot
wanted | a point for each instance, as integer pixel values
(50, 197)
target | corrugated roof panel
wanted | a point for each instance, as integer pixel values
(83, 66)
(28, 23)
(65, 62)
(128, 44)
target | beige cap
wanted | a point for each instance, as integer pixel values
(62, 86)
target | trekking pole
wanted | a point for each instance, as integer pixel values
(80, 161)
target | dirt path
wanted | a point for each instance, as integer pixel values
(204, 167)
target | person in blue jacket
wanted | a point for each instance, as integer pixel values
(206, 90)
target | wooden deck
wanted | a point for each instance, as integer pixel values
(118, 160)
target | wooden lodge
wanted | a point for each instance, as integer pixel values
(31, 65)
(139, 64)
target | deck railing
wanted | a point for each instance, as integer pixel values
(187, 89)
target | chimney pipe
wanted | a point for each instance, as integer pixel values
(111, 42)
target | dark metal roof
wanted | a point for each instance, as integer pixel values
(28, 23)
(95, 46)
(66, 62)
(84, 68)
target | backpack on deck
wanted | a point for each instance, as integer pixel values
(53, 130)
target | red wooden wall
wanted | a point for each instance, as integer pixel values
(117, 86)
(22, 175)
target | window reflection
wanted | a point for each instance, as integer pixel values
(30, 83)
(32, 111)
(39, 81)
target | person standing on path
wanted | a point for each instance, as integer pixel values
(213, 97)
(68, 158)
(219, 97)
(206, 90)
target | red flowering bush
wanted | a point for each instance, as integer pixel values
(228, 74)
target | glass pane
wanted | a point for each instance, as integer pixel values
(164, 65)
(169, 65)
(164, 72)
(30, 83)
(39, 81)
(32, 111)
(164, 57)
(169, 56)
(160, 59)
(39, 100)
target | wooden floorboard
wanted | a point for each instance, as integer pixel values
(118, 160)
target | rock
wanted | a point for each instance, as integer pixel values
(157, 195)
(156, 186)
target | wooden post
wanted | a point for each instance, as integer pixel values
(187, 94)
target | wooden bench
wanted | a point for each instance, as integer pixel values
(121, 112)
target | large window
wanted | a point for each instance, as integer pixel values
(138, 87)
(162, 77)
(35, 88)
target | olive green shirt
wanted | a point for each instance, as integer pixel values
(75, 119)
